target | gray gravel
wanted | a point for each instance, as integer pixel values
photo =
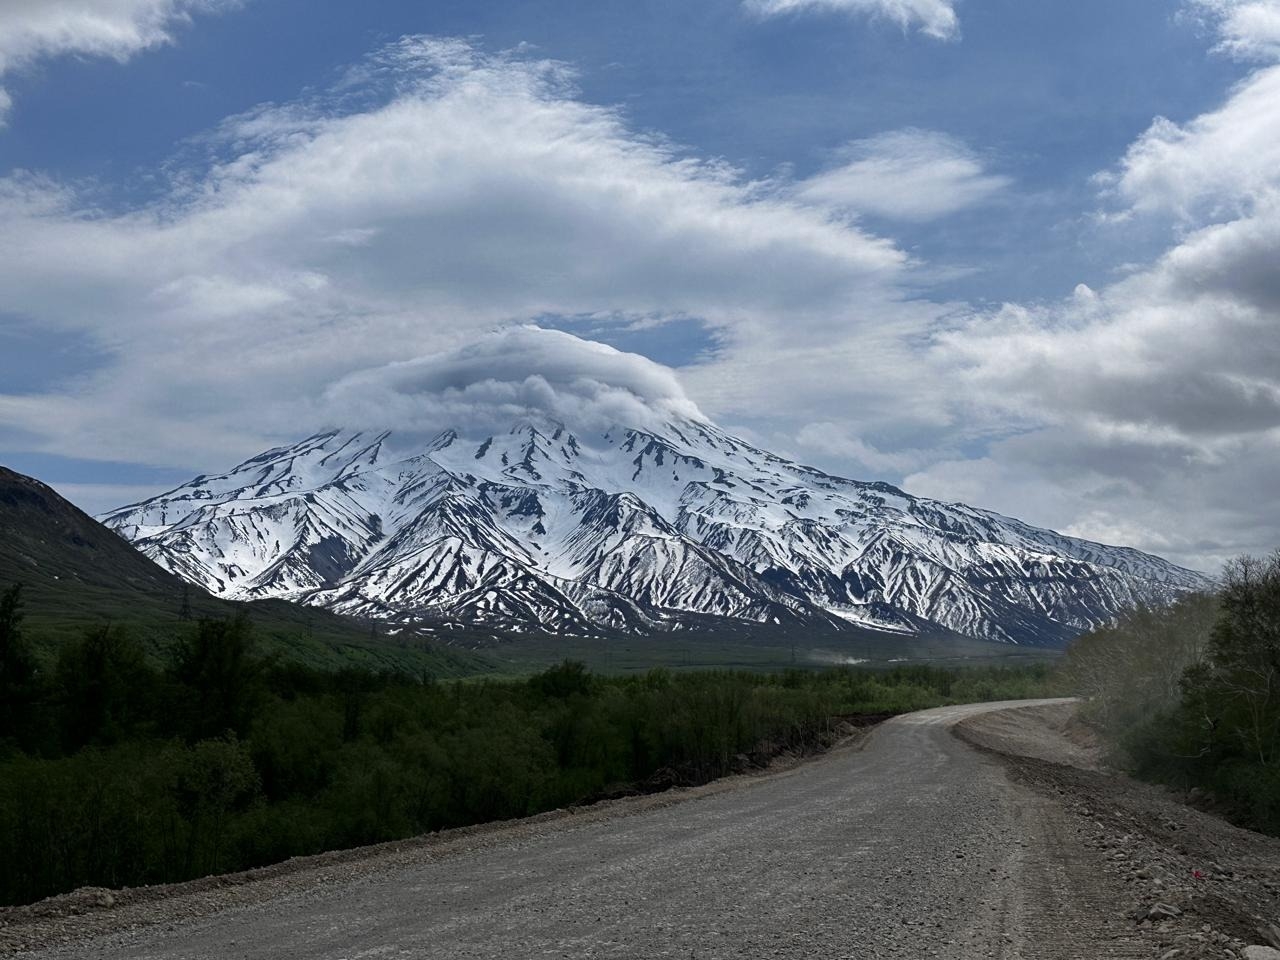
(907, 844)
(1200, 888)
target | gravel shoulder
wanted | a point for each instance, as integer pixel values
(1222, 882)
(904, 842)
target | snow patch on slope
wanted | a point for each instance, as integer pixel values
(537, 525)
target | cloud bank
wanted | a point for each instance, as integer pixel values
(435, 193)
(1163, 388)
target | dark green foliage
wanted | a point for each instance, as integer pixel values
(100, 685)
(142, 812)
(1191, 696)
(562, 681)
(226, 761)
(1242, 690)
(214, 778)
(17, 668)
(217, 664)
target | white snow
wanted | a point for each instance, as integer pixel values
(624, 528)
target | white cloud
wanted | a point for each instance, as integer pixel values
(864, 367)
(834, 439)
(1151, 407)
(465, 191)
(1217, 165)
(936, 18)
(1250, 29)
(499, 378)
(118, 29)
(1160, 496)
(914, 175)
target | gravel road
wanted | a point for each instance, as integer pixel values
(908, 843)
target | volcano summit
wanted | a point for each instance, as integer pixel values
(677, 525)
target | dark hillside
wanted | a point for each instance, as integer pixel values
(76, 573)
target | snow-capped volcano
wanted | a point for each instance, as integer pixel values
(541, 526)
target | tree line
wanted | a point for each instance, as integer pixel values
(1189, 695)
(118, 771)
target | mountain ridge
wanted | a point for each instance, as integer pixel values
(627, 529)
(77, 575)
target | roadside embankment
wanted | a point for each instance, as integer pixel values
(1200, 887)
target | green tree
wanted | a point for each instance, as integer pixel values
(355, 686)
(216, 778)
(563, 680)
(104, 688)
(18, 680)
(221, 676)
(1245, 653)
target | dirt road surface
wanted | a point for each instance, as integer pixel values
(909, 843)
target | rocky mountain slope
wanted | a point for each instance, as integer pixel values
(543, 527)
(76, 574)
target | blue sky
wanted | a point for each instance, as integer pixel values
(1049, 94)
(1011, 253)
